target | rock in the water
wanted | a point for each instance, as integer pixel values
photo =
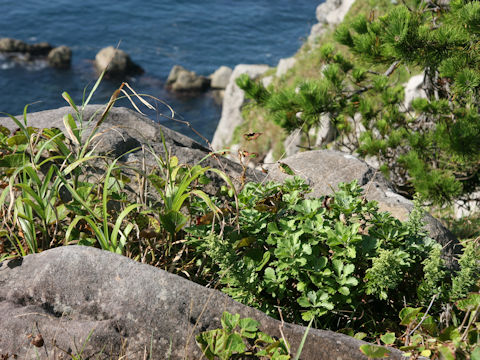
(182, 80)
(103, 304)
(220, 78)
(12, 45)
(324, 169)
(60, 57)
(9, 45)
(116, 62)
(232, 105)
(40, 49)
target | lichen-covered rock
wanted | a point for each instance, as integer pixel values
(116, 63)
(182, 80)
(103, 304)
(60, 57)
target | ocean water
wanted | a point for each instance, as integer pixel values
(200, 35)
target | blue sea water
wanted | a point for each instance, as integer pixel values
(201, 35)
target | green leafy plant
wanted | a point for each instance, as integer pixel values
(336, 258)
(433, 337)
(240, 338)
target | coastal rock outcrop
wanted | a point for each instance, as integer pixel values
(232, 104)
(284, 65)
(183, 80)
(116, 63)
(413, 90)
(329, 13)
(82, 299)
(9, 45)
(60, 57)
(22, 52)
(220, 78)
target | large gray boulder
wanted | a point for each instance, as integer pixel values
(182, 80)
(233, 101)
(325, 169)
(116, 63)
(102, 305)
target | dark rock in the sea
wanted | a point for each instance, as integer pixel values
(13, 45)
(9, 45)
(182, 80)
(324, 169)
(221, 77)
(21, 52)
(116, 62)
(82, 299)
(60, 57)
(40, 49)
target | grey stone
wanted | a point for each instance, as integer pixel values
(232, 104)
(413, 90)
(290, 144)
(60, 57)
(329, 13)
(116, 63)
(325, 169)
(108, 305)
(220, 78)
(325, 132)
(182, 80)
(284, 65)
(267, 80)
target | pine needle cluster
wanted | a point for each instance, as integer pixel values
(432, 147)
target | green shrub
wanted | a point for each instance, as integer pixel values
(337, 259)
